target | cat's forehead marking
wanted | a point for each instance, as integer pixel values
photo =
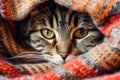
(62, 18)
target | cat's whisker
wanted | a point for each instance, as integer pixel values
(30, 52)
(37, 60)
(27, 55)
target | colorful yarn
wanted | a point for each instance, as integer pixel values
(98, 9)
(8, 69)
(104, 58)
(115, 22)
(17, 9)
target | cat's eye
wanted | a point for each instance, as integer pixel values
(80, 33)
(47, 33)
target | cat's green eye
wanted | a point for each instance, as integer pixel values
(80, 33)
(47, 33)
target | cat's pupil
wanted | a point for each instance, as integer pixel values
(80, 31)
(47, 33)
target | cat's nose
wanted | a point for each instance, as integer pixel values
(64, 55)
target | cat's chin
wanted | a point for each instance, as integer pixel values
(59, 61)
(56, 60)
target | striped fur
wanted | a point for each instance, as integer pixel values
(64, 23)
(112, 48)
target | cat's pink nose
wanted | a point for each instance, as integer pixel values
(64, 55)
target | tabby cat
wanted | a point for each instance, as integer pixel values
(58, 34)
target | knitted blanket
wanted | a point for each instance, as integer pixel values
(101, 60)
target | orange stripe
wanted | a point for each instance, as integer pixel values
(11, 37)
(106, 56)
(81, 5)
(4, 35)
(98, 7)
(117, 57)
(35, 68)
(106, 11)
(27, 68)
(9, 9)
(112, 53)
(15, 49)
(13, 31)
(12, 50)
(75, 4)
(17, 7)
(88, 7)
(42, 67)
(101, 61)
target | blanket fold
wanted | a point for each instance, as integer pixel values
(101, 61)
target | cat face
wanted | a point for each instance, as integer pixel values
(59, 34)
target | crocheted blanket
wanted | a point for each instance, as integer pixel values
(102, 62)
